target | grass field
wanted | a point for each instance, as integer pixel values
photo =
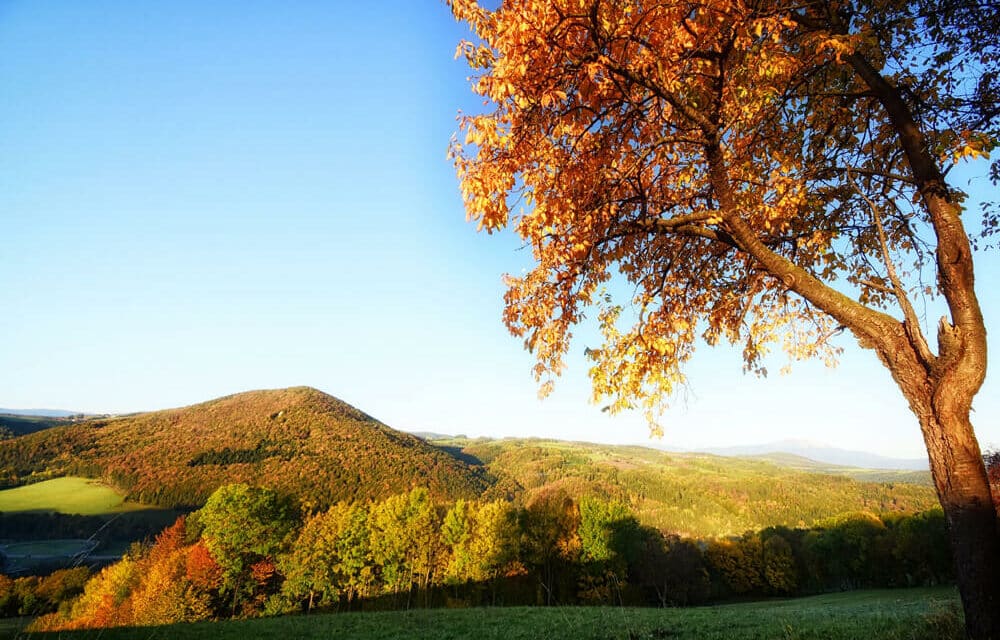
(67, 495)
(902, 614)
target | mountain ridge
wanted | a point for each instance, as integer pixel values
(822, 452)
(40, 413)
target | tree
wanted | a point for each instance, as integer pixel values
(243, 525)
(550, 542)
(405, 541)
(456, 536)
(779, 565)
(760, 173)
(739, 561)
(483, 543)
(330, 557)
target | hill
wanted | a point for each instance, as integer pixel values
(310, 444)
(691, 494)
(13, 425)
(40, 413)
(298, 440)
(866, 474)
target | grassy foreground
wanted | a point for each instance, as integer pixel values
(903, 614)
(67, 495)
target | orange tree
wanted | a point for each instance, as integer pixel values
(759, 172)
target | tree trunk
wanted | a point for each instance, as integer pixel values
(942, 405)
(964, 491)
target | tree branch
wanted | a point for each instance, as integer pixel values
(910, 320)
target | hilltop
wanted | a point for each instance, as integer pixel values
(298, 440)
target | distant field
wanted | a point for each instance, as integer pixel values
(47, 548)
(67, 495)
(903, 614)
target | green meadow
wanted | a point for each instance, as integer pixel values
(69, 495)
(901, 614)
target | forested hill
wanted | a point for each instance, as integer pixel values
(303, 442)
(19, 424)
(688, 493)
(298, 440)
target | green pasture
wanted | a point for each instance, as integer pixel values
(902, 614)
(72, 495)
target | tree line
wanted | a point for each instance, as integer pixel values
(251, 551)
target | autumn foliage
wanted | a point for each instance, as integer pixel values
(715, 156)
(764, 174)
(411, 551)
(312, 444)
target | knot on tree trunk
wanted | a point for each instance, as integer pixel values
(948, 336)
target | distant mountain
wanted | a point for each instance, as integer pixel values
(823, 453)
(430, 435)
(44, 413)
(792, 461)
(299, 440)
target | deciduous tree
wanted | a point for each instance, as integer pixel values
(405, 541)
(759, 173)
(243, 525)
(328, 563)
(551, 542)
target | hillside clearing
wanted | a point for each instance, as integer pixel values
(71, 495)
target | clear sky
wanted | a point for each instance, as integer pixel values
(201, 198)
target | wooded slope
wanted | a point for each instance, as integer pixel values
(299, 441)
(688, 493)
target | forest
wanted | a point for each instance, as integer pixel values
(310, 443)
(251, 551)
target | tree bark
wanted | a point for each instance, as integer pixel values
(964, 492)
(942, 405)
(940, 391)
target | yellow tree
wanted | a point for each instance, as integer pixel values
(758, 172)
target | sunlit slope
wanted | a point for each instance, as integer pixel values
(70, 495)
(297, 440)
(692, 494)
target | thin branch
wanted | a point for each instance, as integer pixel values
(911, 323)
(879, 174)
(875, 285)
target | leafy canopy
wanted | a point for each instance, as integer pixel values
(719, 157)
(242, 524)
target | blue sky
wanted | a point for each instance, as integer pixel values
(203, 198)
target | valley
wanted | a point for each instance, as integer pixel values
(437, 521)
